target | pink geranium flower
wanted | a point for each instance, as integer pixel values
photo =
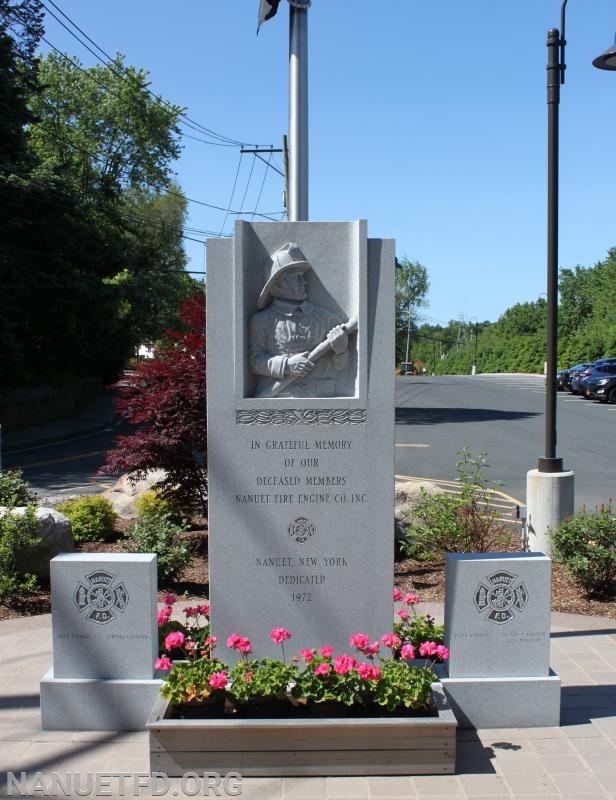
(391, 640)
(397, 594)
(403, 614)
(174, 639)
(321, 669)
(218, 680)
(169, 599)
(368, 672)
(279, 635)
(327, 651)
(442, 652)
(204, 609)
(371, 649)
(164, 615)
(191, 611)
(307, 655)
(208, 645)
(163, 663)
(407, 651)
(427, 649)
(410, 599)
(343, 664)
(359, 640)
(239, 643)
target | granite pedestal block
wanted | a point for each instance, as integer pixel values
(497, 628)
(504, 702)
(105, 642)
(497, 614)
(82, 704)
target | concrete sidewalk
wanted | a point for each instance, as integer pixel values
(576, 760)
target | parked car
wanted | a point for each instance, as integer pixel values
(600, 369)
(602, 389)
(564, 377)
(574, 374)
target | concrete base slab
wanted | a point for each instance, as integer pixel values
(86, 704)
(504, 702)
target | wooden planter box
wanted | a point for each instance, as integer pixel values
(309, 746)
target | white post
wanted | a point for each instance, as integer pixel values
(298, 110)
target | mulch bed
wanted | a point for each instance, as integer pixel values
(427, 579)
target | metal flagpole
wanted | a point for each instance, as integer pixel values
(298, 110)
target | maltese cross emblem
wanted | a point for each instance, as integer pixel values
(99, 597)
(501, 596)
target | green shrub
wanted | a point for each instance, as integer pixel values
(152, 505)
(419, 628)
(586, 544)
(92, 518)
(18, 536)
(160, 535)
(457, 523)
(14, 489)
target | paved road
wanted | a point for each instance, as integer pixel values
(66, 466)
(504, 416)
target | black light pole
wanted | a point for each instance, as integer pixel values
(555, 77)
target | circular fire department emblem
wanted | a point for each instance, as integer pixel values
(501, 596)
(301, 529)
(100, 597)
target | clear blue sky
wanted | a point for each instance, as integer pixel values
(426, 118)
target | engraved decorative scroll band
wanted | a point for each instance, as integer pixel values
(302, 416)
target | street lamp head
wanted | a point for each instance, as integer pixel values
(606, 60)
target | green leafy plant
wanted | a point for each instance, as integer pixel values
(362, 682)
(152, 505)
(14, 489)
(586, 544)
(18, 537)
(457, 523)
(160, 535)
(195, 628)
(413, 628)
(401, 687)
(92, 518)
(189, 681)
(260, 680)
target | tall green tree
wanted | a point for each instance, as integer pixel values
(153, 281)
(102, 128)
(21, 28)
(91, 255)
(412, 286)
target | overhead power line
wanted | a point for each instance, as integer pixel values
(96, 157)
(110, 61)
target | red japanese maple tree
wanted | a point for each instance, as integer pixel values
(165, 398)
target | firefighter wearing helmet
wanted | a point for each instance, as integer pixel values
(288, 326)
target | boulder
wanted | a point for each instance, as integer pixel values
(125, 492)
(407, 494)
(55, 535)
